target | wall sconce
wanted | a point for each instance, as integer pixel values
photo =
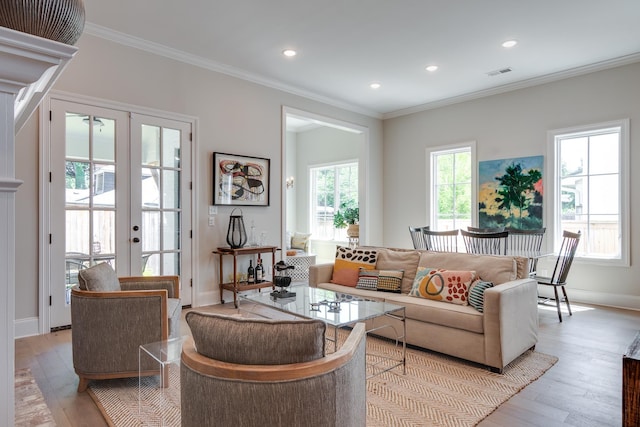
(290, 182)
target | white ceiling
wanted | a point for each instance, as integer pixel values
(344, 45)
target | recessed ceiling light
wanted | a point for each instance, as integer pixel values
(431, 68)
(375, 85)
(289, 52)
(509, 43)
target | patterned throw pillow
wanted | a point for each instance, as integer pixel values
(368, 279)
(476, 294)
(443, 285)
(390, 280)
(352, 260)
(380, 280)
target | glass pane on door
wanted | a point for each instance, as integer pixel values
(160, 201)
(90, 187)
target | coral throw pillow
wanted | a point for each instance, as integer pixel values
(349, 262)
(443, 285)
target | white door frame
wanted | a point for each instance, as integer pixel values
(44, 285)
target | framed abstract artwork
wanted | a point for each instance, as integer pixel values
(240, 180)
(511, 193)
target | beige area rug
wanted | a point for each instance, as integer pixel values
(30, 407)
(437, 390)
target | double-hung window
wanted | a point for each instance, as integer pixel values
(331, 186)
(591, 189)
(451, 184)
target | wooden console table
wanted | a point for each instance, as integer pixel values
(631, 384)
(236, 286)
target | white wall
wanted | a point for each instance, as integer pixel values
(315, 147)
(515, 124)
(235, 116)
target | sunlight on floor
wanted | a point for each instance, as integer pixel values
(550, 305)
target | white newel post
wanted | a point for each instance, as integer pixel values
(28, 67)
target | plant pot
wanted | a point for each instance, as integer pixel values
(58, 20)
(353, 230)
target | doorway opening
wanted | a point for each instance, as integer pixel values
(324, 165)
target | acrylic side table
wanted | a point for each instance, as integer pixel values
(164, 353)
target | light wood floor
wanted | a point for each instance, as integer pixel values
(583, 389)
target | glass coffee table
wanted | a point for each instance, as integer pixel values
(338, 310)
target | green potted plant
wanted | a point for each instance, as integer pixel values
(348, 216)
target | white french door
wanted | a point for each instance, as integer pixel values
(119, 193)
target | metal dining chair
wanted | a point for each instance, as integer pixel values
(528, 244)
(417, 237)
(441, 241)
(485, 243)
(560, 272)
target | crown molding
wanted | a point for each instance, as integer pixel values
(208, 64)
(548, 78)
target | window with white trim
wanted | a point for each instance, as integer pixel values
(451, 186)
(331, 187)
(591, 189)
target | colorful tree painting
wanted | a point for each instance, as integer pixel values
(511, 193)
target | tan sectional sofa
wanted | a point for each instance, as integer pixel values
(507, 327)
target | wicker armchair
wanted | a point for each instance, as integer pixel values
(110, 322)
(259, 372)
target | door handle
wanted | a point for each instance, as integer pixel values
(136, 240)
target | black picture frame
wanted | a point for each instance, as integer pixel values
(240, 180)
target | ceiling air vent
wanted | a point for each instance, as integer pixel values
(500, 71)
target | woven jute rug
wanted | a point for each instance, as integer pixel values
(30, 407)
(437, 390)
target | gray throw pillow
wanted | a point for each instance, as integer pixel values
(248, 341)
(100, 277)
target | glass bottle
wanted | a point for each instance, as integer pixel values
(250, 273)
(259, 271)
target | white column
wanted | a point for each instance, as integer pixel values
(8, 187)
(33, 63)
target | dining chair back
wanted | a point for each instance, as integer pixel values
(441, 241)
(417, 237)
(528, 244)
(485, 243)
(558, 279)
(486, 230)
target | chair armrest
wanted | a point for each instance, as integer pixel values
(170, 283)
(320, 273)
(510, 320)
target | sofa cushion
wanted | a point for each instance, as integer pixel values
(462, 317)
(372, 295)
(443, 285)
(380, 280)
(101, 278)
(491, 268)
(400, 259)
(476, 294)
(249, 341)
(353, 260)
